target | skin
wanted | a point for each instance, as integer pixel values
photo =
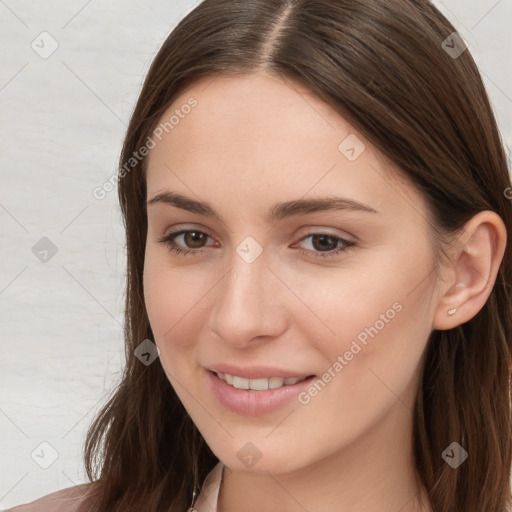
(251, 141)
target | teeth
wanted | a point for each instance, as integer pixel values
(258, 384)
(275, 382)
(291, 380)
(240, 383)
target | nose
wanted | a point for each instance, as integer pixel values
(250, 303)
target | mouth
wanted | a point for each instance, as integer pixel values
(259, 384)
(256, 396)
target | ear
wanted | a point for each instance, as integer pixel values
(478, 253)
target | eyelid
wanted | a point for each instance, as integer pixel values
(316, 229)
(180, 228)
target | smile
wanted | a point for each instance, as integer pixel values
(260, 384)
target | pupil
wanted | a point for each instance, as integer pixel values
(322, 245)
(192, 238)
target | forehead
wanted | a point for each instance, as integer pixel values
(262, 136)
(250, 111)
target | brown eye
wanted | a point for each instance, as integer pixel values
(326, 245)
(193, 241)
(324, 242)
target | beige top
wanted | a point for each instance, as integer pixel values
(68, 500)
(208, 497)
(65, 500)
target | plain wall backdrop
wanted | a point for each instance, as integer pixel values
(70, 74)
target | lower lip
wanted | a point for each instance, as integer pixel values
(254, 403)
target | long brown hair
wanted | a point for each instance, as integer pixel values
(381, 64)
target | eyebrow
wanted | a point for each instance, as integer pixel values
(277, 212)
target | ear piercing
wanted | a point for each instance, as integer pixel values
(192, 509)
(454, 310)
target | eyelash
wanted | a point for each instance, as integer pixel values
(171, 244)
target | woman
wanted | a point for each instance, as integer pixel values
(274, 370)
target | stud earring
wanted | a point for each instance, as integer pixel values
(192, 509)
(452, 311)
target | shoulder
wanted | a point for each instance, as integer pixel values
(65, 500)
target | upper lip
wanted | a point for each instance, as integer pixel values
(256, 372)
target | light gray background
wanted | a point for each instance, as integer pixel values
(62, 122)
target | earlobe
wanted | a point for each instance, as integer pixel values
(481, 247)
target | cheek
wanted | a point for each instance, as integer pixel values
(164, 308)
(374, 319)
(175, 302)
(361, 382)
(158, 296)
(347, 308)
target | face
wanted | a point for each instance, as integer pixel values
(345, 294)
